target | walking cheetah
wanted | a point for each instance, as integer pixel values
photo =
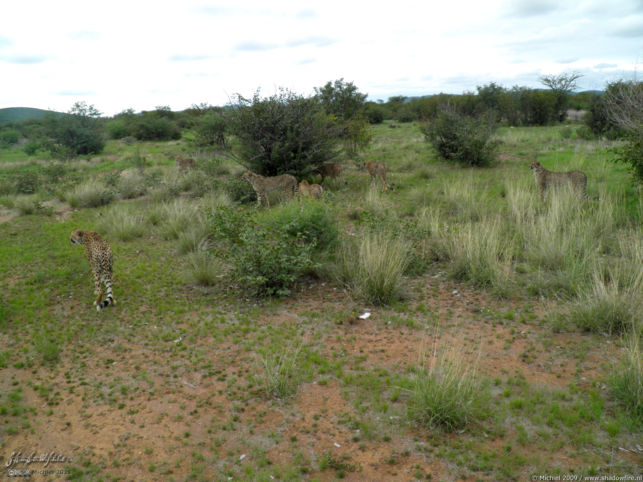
(99, 255)
(377, 169)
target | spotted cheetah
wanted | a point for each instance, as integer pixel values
(545, 179)
(262, 184)
(99, 254)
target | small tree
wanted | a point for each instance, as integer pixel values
(210, 129)
(77, 133)
(462, 139)
(285, 133)
(562, 86)
(341, 99)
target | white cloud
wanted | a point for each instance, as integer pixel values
(139, 55)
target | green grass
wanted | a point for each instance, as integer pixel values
(471, 253)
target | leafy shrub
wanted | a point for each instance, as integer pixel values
(210, 130)
(285, 133)
(632, 153)
(238, 190)
(151, 128)
(9, 137)
(585, 133)
(462, 139)
(31, 147)
(267, 262)
(77, 133)
(311, 223)
(27, 182)
(375, 113)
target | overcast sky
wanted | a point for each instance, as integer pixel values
(142, 54)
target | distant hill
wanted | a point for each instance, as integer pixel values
(18, 114)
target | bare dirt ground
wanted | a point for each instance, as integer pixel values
(183, 424)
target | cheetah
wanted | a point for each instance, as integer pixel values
(545, 179)
(329, 169)
(262, 184)
(377, 169)
(99, 255)
(310, 190)
(185, 163)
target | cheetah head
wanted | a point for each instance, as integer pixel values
(77, 236)
(535, 166)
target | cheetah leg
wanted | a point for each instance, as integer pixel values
(98, 289)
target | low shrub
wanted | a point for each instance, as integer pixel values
(462, 139)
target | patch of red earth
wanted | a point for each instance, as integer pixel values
(176, 409)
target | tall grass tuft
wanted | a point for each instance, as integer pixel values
(89, 194)
(203, 268)
(179, 214)
(481, 253)
(131, 184)
(613, 304)
(448, 393)
(124, 223)
(281, 373)
(373, 266)
(627, 377)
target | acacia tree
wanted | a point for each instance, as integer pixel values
(562, 86)
(285, 133)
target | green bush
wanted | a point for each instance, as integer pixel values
(374, 113)
(266, 259)
(9, 137)
(267, 262)
(462, 139)
(210, 130)
(27, 182)
(285, 133)
(77, 133)
(311, 223)
(632, 153)
(239, 191)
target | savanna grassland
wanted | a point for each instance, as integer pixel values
(503, 339)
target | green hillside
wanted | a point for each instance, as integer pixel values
(18, 114)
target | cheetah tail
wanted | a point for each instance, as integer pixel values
(109, 299)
